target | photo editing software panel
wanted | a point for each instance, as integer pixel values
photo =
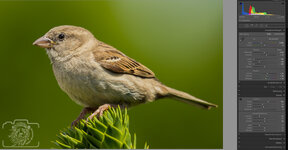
(261, 91)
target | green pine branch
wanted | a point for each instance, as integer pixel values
(110, 131)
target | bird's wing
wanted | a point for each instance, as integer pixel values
(115, 61)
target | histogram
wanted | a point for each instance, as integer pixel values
(252, 11)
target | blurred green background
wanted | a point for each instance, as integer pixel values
(180, 40)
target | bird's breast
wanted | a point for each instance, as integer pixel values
(91, 86)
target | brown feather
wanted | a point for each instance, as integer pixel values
(115, 61)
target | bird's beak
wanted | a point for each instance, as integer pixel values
(44, 42)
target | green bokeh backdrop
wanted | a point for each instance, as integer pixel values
(180, 40)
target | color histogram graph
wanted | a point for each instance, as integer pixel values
(252, 11)
(256, 11)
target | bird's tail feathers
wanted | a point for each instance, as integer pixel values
(187, 98)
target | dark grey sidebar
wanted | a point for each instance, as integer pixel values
(261, 75)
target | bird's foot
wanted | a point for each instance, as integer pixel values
(83, 113)
(100, 110)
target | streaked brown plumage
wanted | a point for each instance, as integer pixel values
(113, 60)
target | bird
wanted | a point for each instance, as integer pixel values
(98, 76)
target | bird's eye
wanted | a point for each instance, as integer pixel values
(61, 36)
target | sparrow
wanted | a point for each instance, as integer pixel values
(97, 76)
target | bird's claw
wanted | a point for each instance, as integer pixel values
(99, 111)
(75, 122)
(82, 115)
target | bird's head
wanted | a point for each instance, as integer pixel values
(66, 40)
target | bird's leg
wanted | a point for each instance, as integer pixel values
(84, 111)
(101, 109)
